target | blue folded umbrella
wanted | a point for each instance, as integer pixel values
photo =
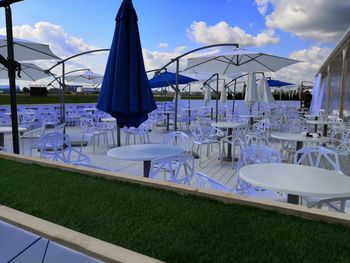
(278, 83)
(125, 91)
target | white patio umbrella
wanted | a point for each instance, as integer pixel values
(29, 72)
(27, 50)
(223, 93)
(264, 92)
(251, 95)
(86, 77)
(207, 95)
(238, 60)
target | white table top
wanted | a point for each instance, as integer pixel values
(297, 179)
(168, 112)
(110, 119)
(9, 129)
(313, 115)
(226, 124)
(321, 122)
(288, 136)
(89, 109)
(144, 152)
(250, 116)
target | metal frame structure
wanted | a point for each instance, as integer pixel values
(177, 61)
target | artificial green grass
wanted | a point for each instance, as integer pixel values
(165, 225)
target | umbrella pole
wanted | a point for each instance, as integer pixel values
(234, 98)
(12, 79)
(63, 111)
(217, 98)
(176, 93)
(118, 136)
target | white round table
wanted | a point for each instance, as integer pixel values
(229, 126)
(325, 124)
(145, 153)
(4, 130)
(297, 180)
(300, 139)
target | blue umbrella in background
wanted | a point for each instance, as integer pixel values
(125, 91)
(278, 83)
(166, 79)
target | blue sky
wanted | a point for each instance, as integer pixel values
(299, 29)
(159, 20)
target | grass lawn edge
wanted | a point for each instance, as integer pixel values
(283, 208)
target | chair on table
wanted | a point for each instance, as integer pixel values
(90, 130)
(175, 168)
(319, 156)
(253, 154)
(200, 138)
(57, 147)
(204, 181)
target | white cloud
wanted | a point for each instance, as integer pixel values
(163, 45)
(157, 59)
(313, 58)
(320, 20)
(61, 43)
(223, 33)
(262, 6)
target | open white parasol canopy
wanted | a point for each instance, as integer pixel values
(29, 72)
(239, 60)
(27, 50)
(86, 77)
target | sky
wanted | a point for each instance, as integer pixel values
(306, 30)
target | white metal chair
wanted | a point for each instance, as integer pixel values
(141, 133)
(33, 137)
(26, 119)
(318, 156)
(174, 168)
(200, 138)
(57, 147)
(234, 140)
(90, 130)
(340, 139)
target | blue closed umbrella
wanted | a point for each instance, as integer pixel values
(278, 83)
(166, 79)
(125, 91)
